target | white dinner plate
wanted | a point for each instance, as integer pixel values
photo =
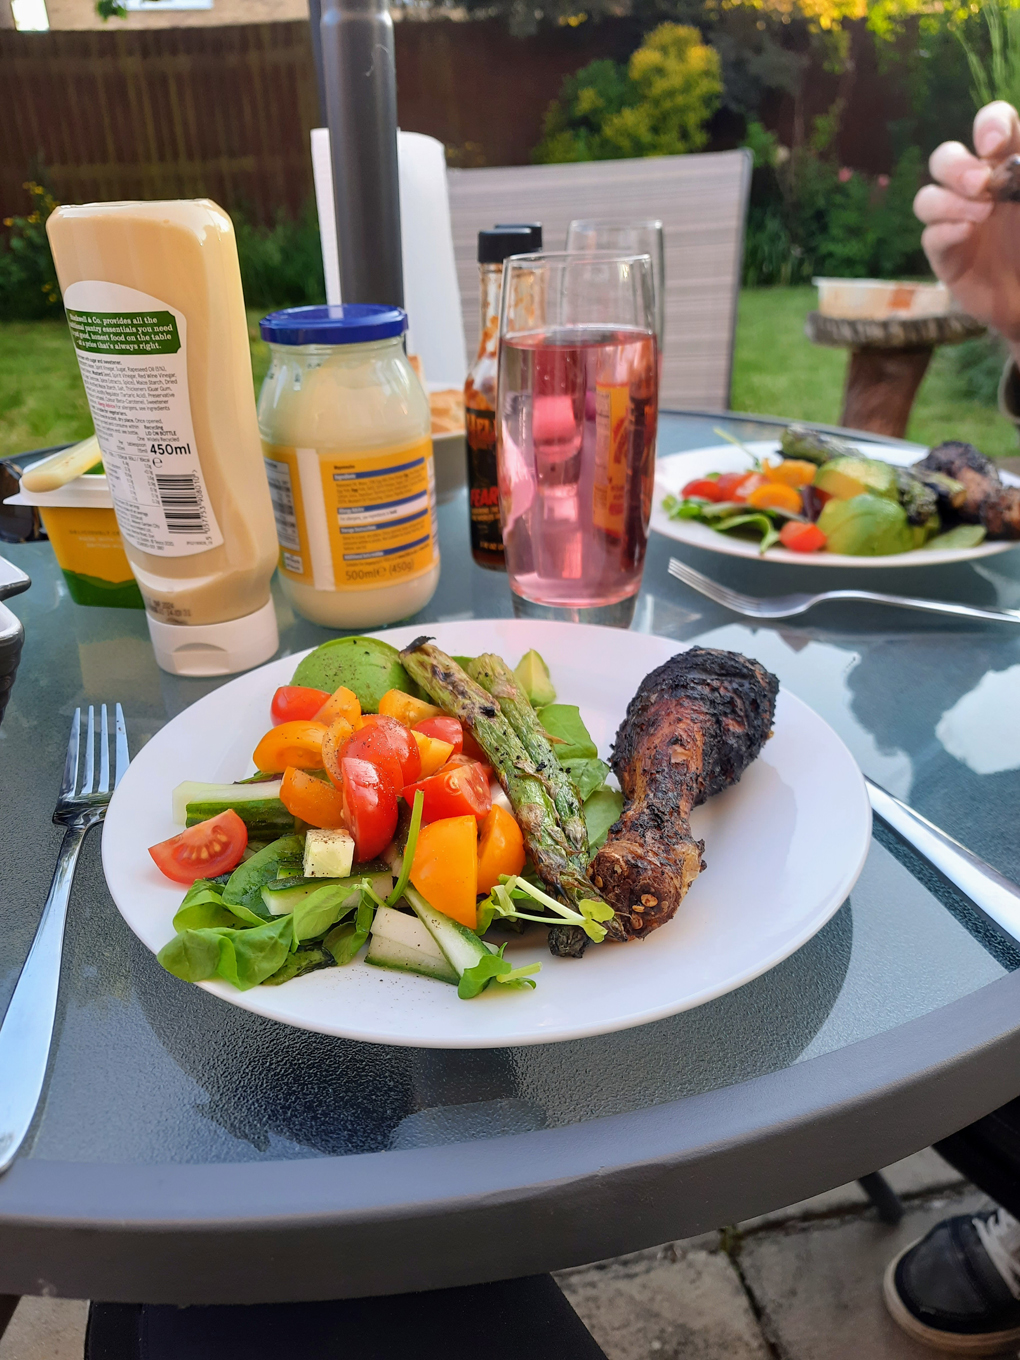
(673, 473)
(783, 848)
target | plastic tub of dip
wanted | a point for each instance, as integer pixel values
(880, 299)
(82, 527)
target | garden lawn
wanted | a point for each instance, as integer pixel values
(777, 371)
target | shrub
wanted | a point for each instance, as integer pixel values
(657, 105)
(28, 280)
(281, 265)
(808, 217)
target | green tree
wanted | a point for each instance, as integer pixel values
(657, 105)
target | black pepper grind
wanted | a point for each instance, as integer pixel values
(480, 392)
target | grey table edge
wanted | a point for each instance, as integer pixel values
(432, 1217)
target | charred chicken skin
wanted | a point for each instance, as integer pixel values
(691, 730)
(988, 502)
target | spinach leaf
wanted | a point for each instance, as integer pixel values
(344, 941)
(769, 532)
(245, 885)
(248, 957)
(587, 773)
(192, 955)
(570, 738)
(314, 914)
(300, 962)
(601, 810)
(204, 908)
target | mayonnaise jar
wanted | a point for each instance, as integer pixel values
(346, 434)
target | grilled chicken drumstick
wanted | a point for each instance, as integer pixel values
(691, 730)
(988, 502)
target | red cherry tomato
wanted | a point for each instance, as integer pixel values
(737, 486)
(204, 850)
(370, 807)
(384, 740)
(802, 538)
(465, 759)
(443, 729)
(704, 489)
(457, 790)
(296, 703)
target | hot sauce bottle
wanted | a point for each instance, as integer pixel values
(480, 392)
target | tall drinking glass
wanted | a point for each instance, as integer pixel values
(576, 402)
(635, 238)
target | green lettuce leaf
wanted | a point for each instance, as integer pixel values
(570, 738)
(248, 957)
(244, 887)
(601, 809)
(345, 940)
(295, 965)
(192, 955)
(588, 774)
(321, 909)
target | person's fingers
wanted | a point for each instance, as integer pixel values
(997, 131)
(953, 165)
(934, 204)
(940, 241)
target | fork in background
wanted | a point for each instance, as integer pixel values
(786, 606)
(27, 1029)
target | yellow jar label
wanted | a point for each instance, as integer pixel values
(350, 521)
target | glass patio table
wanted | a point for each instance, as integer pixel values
(189, 1152)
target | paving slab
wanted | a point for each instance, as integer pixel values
(922, 1173)
(817, 1284)
(46, 1329)
(670, 1304)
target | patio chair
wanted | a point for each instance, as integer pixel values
(702, 202)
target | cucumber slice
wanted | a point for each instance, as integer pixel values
(407, 930)
(227, 795)
(284, 895)
(386, 953)
(461, 946)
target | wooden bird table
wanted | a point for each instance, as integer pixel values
(888, 359)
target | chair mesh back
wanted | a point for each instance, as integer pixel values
(702, 202)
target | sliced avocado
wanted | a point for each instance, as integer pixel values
(865, 526)
(845, 478)
(365, 665)
(963, 536)
(532, 674)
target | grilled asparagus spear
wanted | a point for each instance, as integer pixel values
(552, 855)
(494, 675)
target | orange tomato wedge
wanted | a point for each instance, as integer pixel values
(445, 868)
(776, 496)
(292, 743)
(500, 848)
(396, 704)
(342, 703)
(311, 799)
(791, 472)
(338, 734)
(434, 753)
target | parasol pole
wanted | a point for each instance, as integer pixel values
(360, 80)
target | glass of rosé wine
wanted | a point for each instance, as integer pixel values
(576, 408)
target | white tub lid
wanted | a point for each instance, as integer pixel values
(90, 492)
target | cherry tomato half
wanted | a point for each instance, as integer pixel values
(704, 488)
(370, 807)
(803, 538)
(401, 744)
(457, 790)
(737, 486)
(204, 850)
(294, 703)
(443, 729)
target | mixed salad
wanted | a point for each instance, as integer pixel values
(822, 495)
(374, 822)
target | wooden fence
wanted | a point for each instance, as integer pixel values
(225, 112)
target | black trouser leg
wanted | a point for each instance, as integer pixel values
(526, 1319)
(988, 1153)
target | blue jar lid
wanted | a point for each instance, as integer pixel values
(350, 323)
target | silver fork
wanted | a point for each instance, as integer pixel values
(785, 606)
(27, 1029)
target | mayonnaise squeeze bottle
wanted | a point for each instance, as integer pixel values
(153, 298)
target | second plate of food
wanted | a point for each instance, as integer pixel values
(677, 470)
(783, 848)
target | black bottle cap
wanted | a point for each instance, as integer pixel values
(494, 246)
(533, 228)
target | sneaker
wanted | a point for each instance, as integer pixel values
(958, 1288)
